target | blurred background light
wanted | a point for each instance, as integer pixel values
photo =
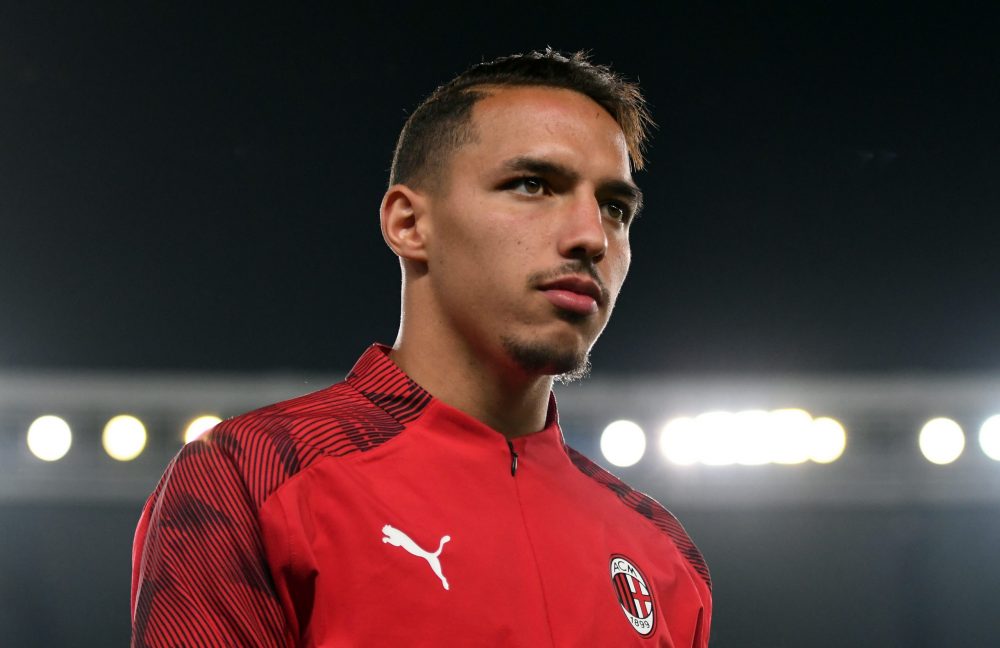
(790, 431)
(752, 438)
(827, 440)
(124, 437)
(49, 438)
(941, 440)
(623, 443)
(716, 438)
(200, 426)
(679, 441)
(753, 447)
(989, 437)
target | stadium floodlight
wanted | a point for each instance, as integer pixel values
(751, 440)
(200, 426)
(717, 438)
(941, 441)
(679, 441)
(827, 440)
(49, 438)
(790, 431)
(124, 437)
(623, 443)
(989, 437)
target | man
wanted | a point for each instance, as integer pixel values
(429, 500)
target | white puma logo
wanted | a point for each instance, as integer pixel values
(397, 538)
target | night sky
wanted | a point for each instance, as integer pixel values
(197, 188)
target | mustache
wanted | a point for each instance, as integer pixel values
(576, 267)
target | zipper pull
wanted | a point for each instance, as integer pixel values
(513, 458)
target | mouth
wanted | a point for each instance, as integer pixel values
(580, 295)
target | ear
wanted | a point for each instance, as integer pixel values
(403, 223)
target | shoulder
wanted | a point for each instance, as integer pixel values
(268, 446)
(648, 508)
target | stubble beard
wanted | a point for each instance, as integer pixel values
(566, 366)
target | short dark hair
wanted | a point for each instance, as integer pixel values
(443, 121)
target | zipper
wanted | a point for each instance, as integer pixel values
(513, 458)
(532, 555)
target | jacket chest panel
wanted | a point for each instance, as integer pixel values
(414, 553)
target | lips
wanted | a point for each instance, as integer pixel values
(575, 294)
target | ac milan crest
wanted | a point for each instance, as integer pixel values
(635, 594)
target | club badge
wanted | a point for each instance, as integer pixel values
(635, 594)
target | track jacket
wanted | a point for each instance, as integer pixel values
(371, 514)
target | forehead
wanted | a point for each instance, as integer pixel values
(550, 122)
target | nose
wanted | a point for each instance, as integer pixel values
(582, 231)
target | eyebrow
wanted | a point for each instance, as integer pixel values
(542, 167)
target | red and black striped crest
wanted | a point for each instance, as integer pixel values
(635, 594)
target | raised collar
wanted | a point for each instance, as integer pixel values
(385, 384)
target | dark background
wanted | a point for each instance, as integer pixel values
(196, 188)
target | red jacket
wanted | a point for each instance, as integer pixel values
(371, 514)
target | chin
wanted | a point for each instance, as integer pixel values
(567, 362)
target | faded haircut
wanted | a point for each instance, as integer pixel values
(443, 121)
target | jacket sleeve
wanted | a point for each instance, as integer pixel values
(199, 572)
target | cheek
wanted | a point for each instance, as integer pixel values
(480, 252)
(619, 262)
(490, 241)
(458, 236)
(616, 270)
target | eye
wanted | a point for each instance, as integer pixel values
(618, 212)
(530, 185)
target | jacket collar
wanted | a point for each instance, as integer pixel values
(381, 381)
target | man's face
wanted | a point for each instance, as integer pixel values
(529, 230)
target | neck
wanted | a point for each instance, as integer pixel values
(491, 389)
